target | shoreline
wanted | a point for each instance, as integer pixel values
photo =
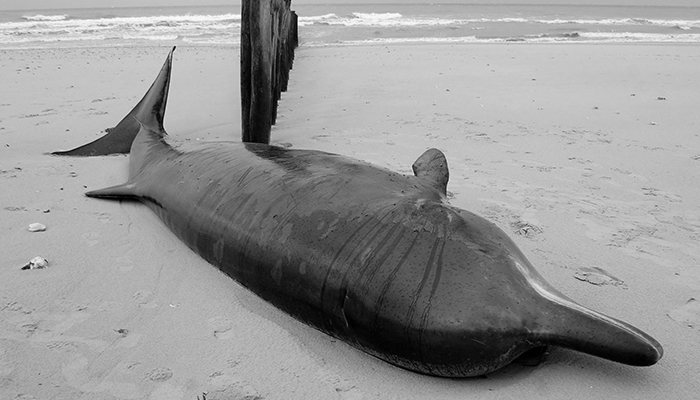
(341, 45)
(545, 141)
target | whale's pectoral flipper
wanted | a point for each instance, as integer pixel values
(125, 191)
(150, 131)
(432, 166)
(118, 140)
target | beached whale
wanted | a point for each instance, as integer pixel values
(373, 257)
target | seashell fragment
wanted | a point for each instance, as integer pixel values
(37, 263)
(37, 227)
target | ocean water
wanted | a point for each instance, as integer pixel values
(355, 24)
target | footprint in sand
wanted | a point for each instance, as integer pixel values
(127, 339)
(349, 393)
(688, 280)
(62, 346)
(583, 161)
(688, 314)
(225, 386)
(15, 208)
(105, 99)
(53, 331)
(345, 389)
(320, 137)
(6, 367)
(101, 305)
(166, 391)
(160, 374)
(23, 396)
(596, 231)
(11, 173)
(77, 373)
(673, 198)
(631, 174)
(142, 297)
(125, 264)
(91, 238)
(222, 327)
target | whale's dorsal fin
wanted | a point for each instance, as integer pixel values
(432, 167)
(149, 111)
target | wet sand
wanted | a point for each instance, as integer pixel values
(587, 156)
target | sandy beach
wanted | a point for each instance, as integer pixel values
(586, 155)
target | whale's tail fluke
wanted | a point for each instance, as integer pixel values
(149, 111)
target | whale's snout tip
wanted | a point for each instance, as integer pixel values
(651, 356)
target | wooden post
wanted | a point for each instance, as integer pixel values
(268, 39)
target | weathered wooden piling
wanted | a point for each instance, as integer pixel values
(268, 39)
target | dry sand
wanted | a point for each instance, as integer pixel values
(588, 156)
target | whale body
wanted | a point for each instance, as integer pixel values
(375, 258)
